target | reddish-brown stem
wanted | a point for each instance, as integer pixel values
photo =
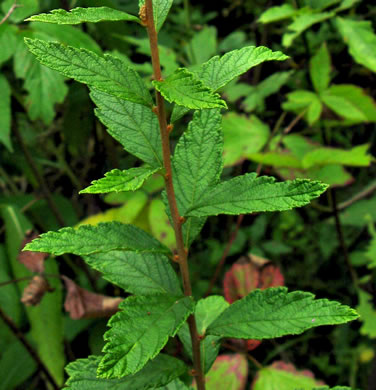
(176, 218)
(13, 327)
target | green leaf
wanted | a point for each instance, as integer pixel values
(108, 74)
(175, 385)
(140, 330)
(242, 137)
(185, 89)
(137, 273)
(88, 239)
(228, 372)
(346, 4)
(83, 15)
(203, 45)
(118, 181)
(361, 39)
(356, 156)
(158, 372)
(274, 313)
(249, 193)
(319, 69)
(270, 378)
(275, 14)
(8, 41)
(5, 113)
(301, 23)
(350, 102)
(24, 9)
(161, 9)
(133, 125)
(206, 311)
(367, 314)
(276, 159)
(45, 87)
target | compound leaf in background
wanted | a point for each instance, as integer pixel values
(133, 125)
(5, 113)
(301, 101)
(275, 14)
(158, 372)
(83, 15)
(249, 193)
(242, 136)
(185, 89)
(88, 239)
(350, 102)
(228, 372)
(320, 68)
(137, 273)
(357, 156)
(206, 311)
(161, 9)
(108, 73)
(361, 39)
(119, 181)
(140, 330)
(283, 376)
(274, 313)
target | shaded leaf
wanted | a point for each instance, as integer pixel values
(8, 41)
(5, 112)
(158, 372)
(274, 313)
(203, 45)
(137, 273)
(249, 193)
(185, 89)
(320, 68)
(83, 15)
(140, 330)
(33, 261)
(34, 292)
(24, 9)
(161, 9)
(89, 239)
(367, 313)
(108, 74)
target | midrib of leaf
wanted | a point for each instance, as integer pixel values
(136, 126)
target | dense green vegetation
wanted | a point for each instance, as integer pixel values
(271, 126)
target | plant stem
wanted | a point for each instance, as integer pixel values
(13, 327)
(176, 218)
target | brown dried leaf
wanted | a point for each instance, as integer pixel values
(34, 261)
(35, 290)
(81, 303)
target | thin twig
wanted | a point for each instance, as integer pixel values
(2, 284)
(176, 218)
(9, 13)
(13, 327)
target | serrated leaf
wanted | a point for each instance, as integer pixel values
(108, 74)
(185, 89)
(277, 13)
(83, 15)
(361, 39)
(118, 181)
(140, 331)
(249, 193)
(161, 9)
(274, 313)
(228, 372)
(137, 273)
(301, 23)
(284, 377)
(102, 238)
(350, 102)
(5, 113)
(206, 311)
(357, 156)
(219, 71)
(133, 125)
(158, 372)
(319, 69)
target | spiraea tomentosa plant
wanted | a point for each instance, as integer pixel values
(160, 307)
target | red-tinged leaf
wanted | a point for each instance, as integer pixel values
(252, 344)
(240, 280)
(35, 290)
(245, 345)
(271, 276)
(228, 372)
(81, 303)
(33, 261)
